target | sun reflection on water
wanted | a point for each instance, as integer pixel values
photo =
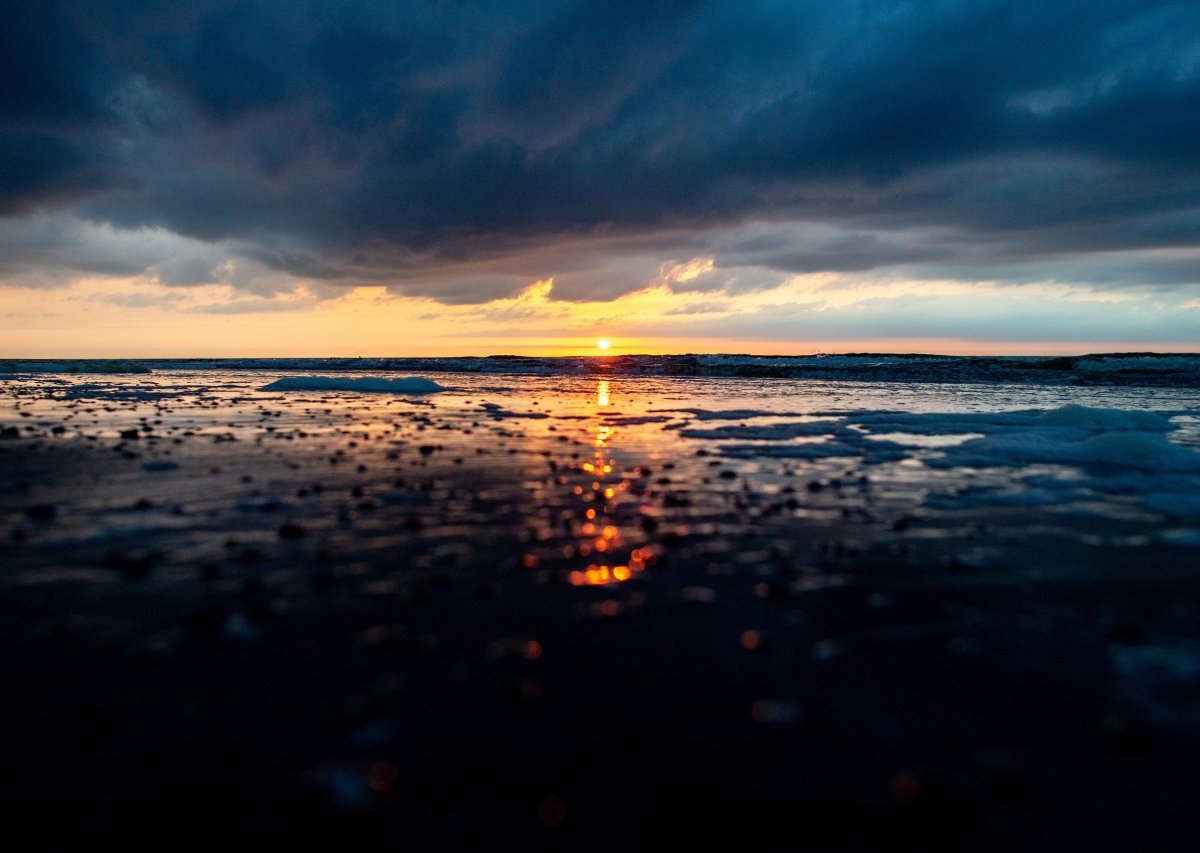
(599, 533)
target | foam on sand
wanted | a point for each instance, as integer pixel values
(374, 384)
(1143, 451)
(1071, 435)
(1117, 455)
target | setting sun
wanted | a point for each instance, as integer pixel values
(603, 343)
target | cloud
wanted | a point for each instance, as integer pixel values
(50, 251)
(463, 151)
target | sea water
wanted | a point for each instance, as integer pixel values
(1120, 430)
(1104, 464)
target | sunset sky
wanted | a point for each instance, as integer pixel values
(281, 177)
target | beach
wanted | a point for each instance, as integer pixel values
(603, 608)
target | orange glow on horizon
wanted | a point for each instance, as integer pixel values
(137, 318)
(99, 318)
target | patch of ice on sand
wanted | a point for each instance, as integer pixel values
(372, 384)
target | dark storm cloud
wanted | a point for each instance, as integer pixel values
(368, 140)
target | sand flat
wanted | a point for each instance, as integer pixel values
(567, 610)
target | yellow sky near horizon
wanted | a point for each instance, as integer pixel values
(138, 317)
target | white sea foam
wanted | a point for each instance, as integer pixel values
(1077, 420)
(1070, 435)
(406, 385)
(1146, 362)
(1143, 451)
(1109, 452)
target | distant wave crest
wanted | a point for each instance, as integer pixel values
(1146, 368)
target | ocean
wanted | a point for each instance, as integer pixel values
(451, 603)
(1145, 368)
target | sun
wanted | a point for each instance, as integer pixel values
(603, 343)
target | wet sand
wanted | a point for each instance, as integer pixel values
(541, 616)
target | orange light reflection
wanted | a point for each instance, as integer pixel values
(600, 534)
